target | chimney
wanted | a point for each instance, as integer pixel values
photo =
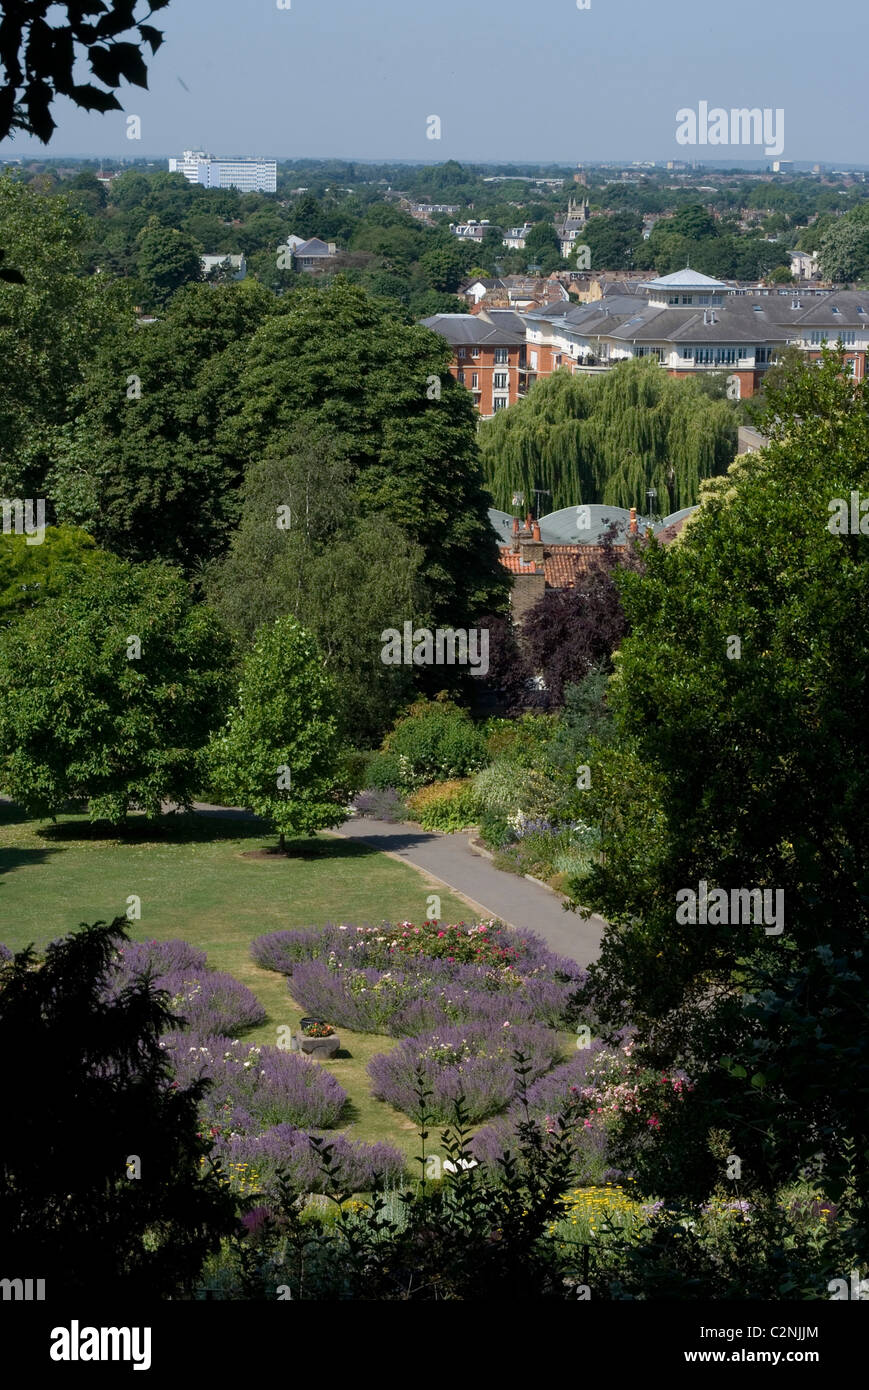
(531, 546)
(515, 544)
(632, 526)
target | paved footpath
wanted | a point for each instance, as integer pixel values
(494, 892)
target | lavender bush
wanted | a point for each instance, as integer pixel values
(283, 1149)
(545, 1098)
(210, 1001)
(213, 1001)
(281, 951)
(5, 953)
(413, 999)
(159, 958)
(475, 1061)
(381, 803)
(255, 1087)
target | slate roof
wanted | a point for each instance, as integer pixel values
(463, 329)
(314, 247)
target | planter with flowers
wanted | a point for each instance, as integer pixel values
(317, 1037)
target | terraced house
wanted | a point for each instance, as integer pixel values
(689, 323)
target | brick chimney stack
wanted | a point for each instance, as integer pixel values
(515, 545)
(632, 527)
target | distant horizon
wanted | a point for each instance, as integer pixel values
(656, 166)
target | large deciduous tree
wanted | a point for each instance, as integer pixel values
(144, 465)
(302, 549)
(607, 440)
(335, 360)
(109, 692)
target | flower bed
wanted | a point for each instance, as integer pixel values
(405, 979)
(475, 1061)
(210, 1001)
(256, 1161)
(254, 1088)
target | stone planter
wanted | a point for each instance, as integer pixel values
(319, 1047)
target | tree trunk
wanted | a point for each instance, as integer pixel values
(281, 845)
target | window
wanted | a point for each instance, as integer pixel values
(499, 403)
(499, 381)
(461, 354)
(534, 361)
(818, 335)
(501, 357)
(688, 352)
(475, 352)
(849, 337)
(475, 381)
(460, 377)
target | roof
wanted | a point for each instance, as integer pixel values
(683, 280)
(562, 564)
(559, 529)
(314, 247)
(462, 329)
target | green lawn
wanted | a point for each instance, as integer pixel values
(195, 883)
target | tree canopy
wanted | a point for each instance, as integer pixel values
(609, 439)
(108, 693)
(740, 698)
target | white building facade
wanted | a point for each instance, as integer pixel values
(247, 175)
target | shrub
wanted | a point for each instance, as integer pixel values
(284, 1151)
(383, 771)
(160, 958)
(560, 1090)
(444, 805)
(209, 1001)
(435, 742)
(212, 1001)
(254, 1087)
(474, 1061)
(282, 950)
(385, 804)
(404, 979)
(5, 953)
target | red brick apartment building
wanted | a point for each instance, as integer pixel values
(687, 322)
(488, 355)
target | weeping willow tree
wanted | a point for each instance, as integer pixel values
(609, 439)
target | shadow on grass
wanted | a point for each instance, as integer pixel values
(12, 859)
(10, 814)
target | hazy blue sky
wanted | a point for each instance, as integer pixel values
(510, 79)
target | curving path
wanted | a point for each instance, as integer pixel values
(517, 901)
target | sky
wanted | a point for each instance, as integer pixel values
(510, 80)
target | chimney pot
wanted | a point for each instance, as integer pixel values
(535, 531)
(633, 522)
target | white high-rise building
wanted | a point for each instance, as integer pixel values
(248, 175)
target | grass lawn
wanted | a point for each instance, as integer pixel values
(195, 884)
